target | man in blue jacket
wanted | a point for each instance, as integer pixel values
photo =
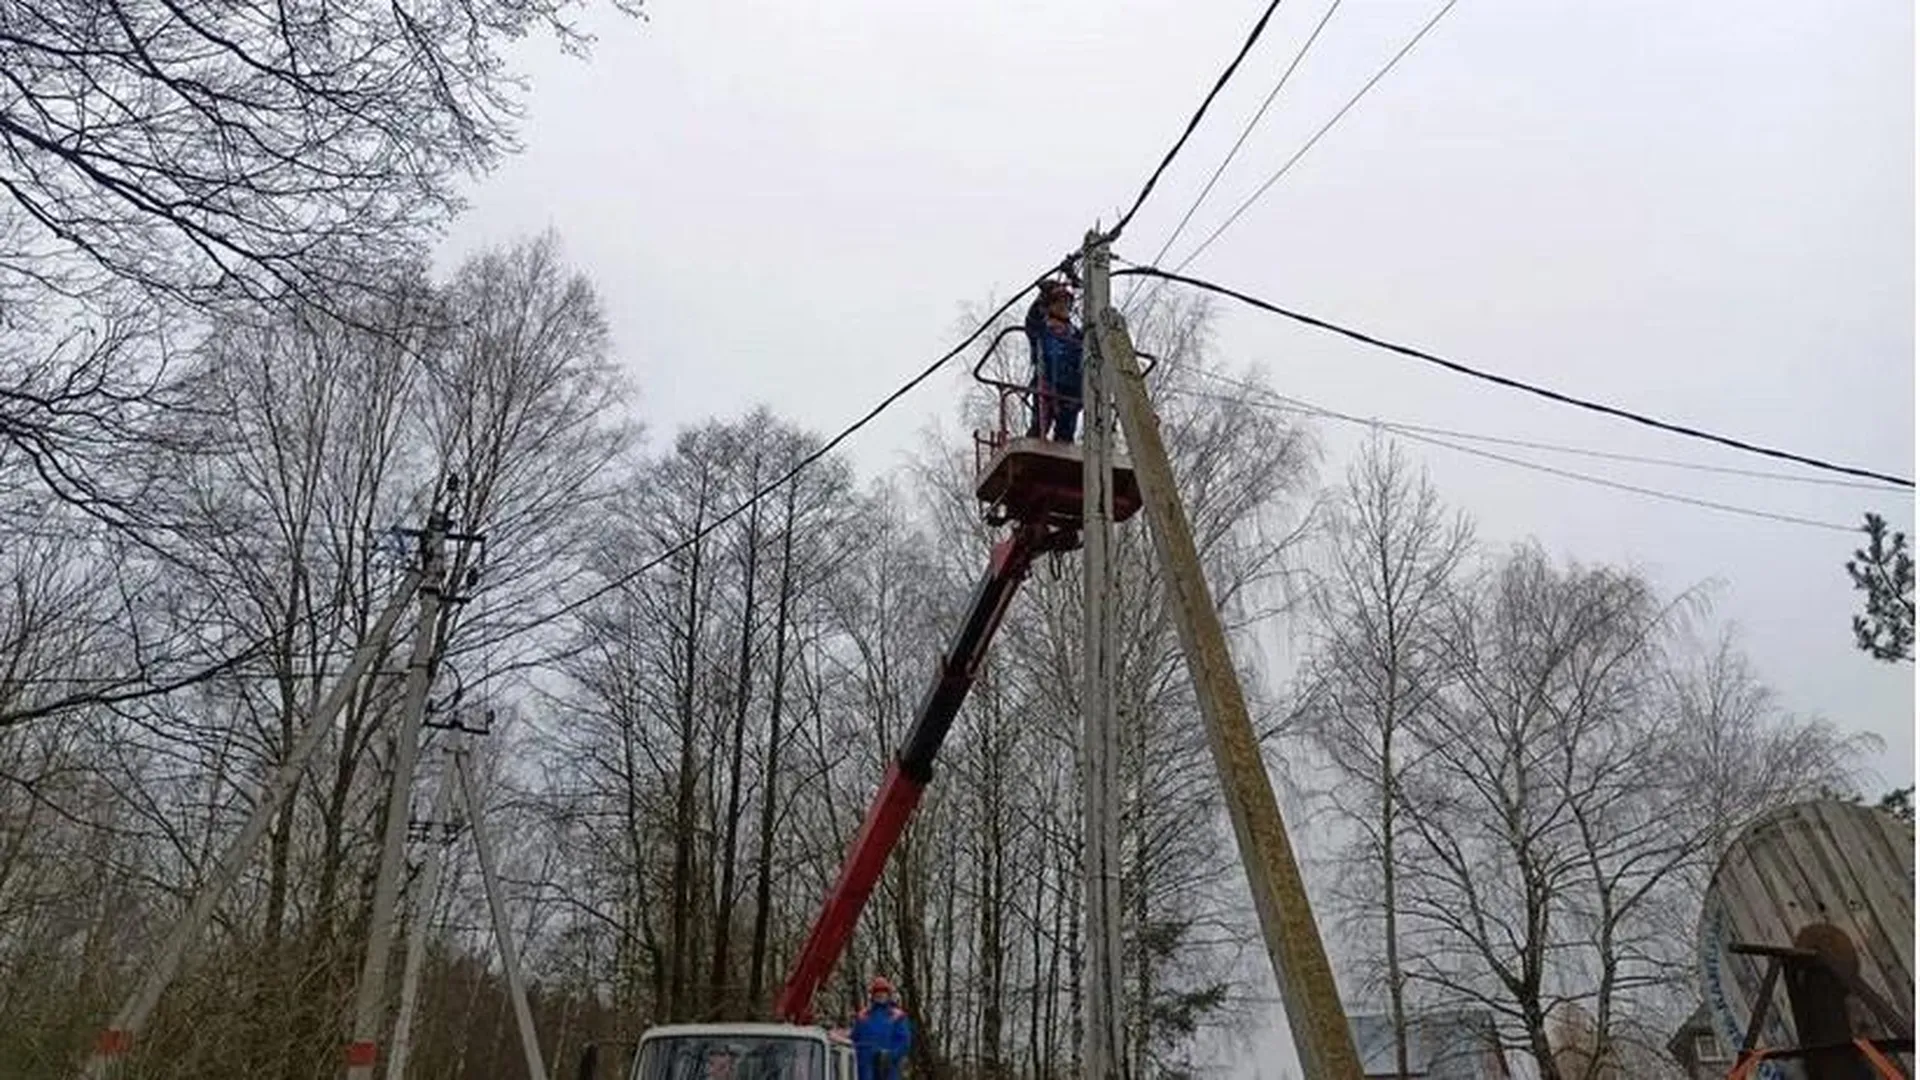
(1055, 344)
(882, 1034)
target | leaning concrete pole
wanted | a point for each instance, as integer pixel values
(370, 995)
(116, 1041)
(417, 930)
(502, 929)
(1300, 966)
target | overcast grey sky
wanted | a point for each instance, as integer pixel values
(1702, 210)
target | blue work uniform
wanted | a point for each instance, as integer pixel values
(1056, 377)
(882, 1035)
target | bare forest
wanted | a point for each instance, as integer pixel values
(228, 381)
(1505, 751)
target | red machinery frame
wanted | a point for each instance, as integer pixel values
(1035, 485)
(912, 769)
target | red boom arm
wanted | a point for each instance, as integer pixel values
(911, 770)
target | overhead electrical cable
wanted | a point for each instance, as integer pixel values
(1516, 384)
(1219, 84)
(1146, 190)
(1253, 37)
(1655, 493)
(1317, 136)
(1303, 406)
(1245, 132)
(776, 485)
(1586, 478)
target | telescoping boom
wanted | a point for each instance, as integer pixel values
(1035, 485)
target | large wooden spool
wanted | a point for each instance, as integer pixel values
(1841, 864)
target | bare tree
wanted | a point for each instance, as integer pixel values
(1554, 805)
(520, 404)
(819, 509)
(199, 149)
(1740, 753)
(167, 165)
(310, 438)
(678, 678)
(1395, 553)
(73, 400)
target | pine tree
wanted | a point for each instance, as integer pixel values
(1884, 571)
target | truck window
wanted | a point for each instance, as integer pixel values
(730, 1057)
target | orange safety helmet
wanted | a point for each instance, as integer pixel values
(879, 985)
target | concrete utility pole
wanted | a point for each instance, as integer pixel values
(502, 930)
(417, 932)
(117, 1040)
(1105, 1050)
(370, 995)
(1314, 1014)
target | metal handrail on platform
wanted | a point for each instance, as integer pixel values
(985, 444)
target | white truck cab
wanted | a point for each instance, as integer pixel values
(743, 1052)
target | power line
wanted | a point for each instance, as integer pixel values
(1324, 128)
(1642, 459)
(1587, 478)
(1219, 84)
(1246, 131)
(1617, 485)
(1253, 37)
(822, 451)
(1193, 123)
(1300, 405)
(1515, 384)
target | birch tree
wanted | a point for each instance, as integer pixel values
(1556, 819)
(1377, 667)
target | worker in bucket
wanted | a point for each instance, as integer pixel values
(882, 1034)
(1055, 344)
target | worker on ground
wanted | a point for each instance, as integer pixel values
(1055, 344)
(882, 1034)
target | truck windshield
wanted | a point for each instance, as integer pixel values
(731, 1057)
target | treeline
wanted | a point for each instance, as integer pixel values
(225, 381)
(1530, 764)
(726, 719)
(1535, 766)
(678, 761)
(159, 662)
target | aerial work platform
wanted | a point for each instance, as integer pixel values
(1037, 487)
(1031, 480)
(1039, 481)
